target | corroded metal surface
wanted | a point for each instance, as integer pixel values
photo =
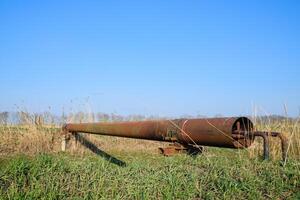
(234, 132)
(208, 132)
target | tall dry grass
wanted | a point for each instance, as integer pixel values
(289, 127)
(31, 139)
(28, 139)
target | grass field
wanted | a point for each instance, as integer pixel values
(32, 167)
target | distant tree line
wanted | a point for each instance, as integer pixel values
(24, 118)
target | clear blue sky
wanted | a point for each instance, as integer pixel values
(151, 57)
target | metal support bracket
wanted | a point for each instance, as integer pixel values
(176, 148)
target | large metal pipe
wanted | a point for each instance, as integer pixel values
(234, 132)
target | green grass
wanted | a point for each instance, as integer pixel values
(217, 174)
(26, 173)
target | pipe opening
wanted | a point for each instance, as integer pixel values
(242, 132)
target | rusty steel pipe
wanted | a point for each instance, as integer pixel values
(234, 132)
(209, 132)
(265, 136)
